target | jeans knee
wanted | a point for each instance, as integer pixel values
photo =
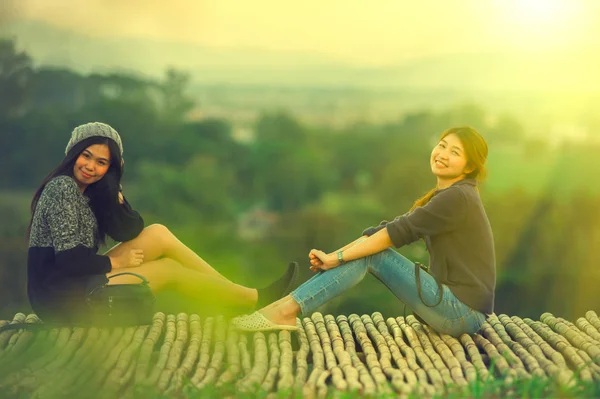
(362, 265)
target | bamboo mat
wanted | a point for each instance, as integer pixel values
(329, 354)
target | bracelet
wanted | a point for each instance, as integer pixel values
(341, 257)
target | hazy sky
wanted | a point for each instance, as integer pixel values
(363, 31)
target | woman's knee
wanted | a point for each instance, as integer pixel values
(159, 234)
(157, 230)
(360, 266)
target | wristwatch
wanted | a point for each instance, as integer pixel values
(341, 257)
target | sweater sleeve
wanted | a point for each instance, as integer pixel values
(125, 224)
(369, 231)
(72, 256)
(443, 213)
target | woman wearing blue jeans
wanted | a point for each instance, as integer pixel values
(452, 221)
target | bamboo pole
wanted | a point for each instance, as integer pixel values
(368, 349)
(429, 350)
(365, 378)
(577, 340)
(301, 358)
(318, 358)
(592, 317)
(67, 351)
(585, 326)
(394, 350)
(176, 352)
(79, 373)
(470, 372)
(530, 362)
(409, 355)
(499, 362)
(274, 355)
(385, 355)
(191, 354)
(35, 373)
(233, 358)
(582, 333)
(343, 358)
(50, 373)
(561, 344)
(98, 355)
(65, 378)
(560, 375)
(256, 376)
(204, 351)
(337, 376)
(143, 361)
(113, 356)
(546, 348)
(218, 354)
(5, 335)
(19, 341)
(43, 342)
(433, 374)
(594, 368)
(244, 354)
(475, 357)
(447, 355)
(321, 384)
(513, 360)
(410, 376)
(165, 349)
(19, 335)
(115, 379)
(286, 375)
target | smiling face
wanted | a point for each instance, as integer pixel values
(91, 165)
(448, 161)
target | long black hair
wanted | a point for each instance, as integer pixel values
(103, 194)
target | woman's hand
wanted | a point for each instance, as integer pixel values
(319, 260)
(132, 258)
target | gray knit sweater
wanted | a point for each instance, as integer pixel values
(62, 258)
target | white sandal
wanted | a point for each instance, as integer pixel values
(257, 322)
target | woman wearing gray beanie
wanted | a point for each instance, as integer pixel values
(80, 203)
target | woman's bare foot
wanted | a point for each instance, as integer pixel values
(283, 311)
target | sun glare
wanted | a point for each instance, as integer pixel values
(544, 11)
(538, 24)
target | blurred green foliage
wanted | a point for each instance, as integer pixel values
(248, 206)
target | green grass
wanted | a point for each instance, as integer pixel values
(492, 388)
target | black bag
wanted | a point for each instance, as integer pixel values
(418, 267)
(121, 304)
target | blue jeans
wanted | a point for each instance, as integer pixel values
(396, 272)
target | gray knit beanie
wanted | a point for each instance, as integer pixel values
(94, 129)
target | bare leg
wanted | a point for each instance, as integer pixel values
(157, 241)
(165, 273)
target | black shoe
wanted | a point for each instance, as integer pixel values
(279, 288)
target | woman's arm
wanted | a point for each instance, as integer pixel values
(124, 224)
(345, 247)
(369, 246)
(316, 262)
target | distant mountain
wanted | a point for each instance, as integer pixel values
(52, 46)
